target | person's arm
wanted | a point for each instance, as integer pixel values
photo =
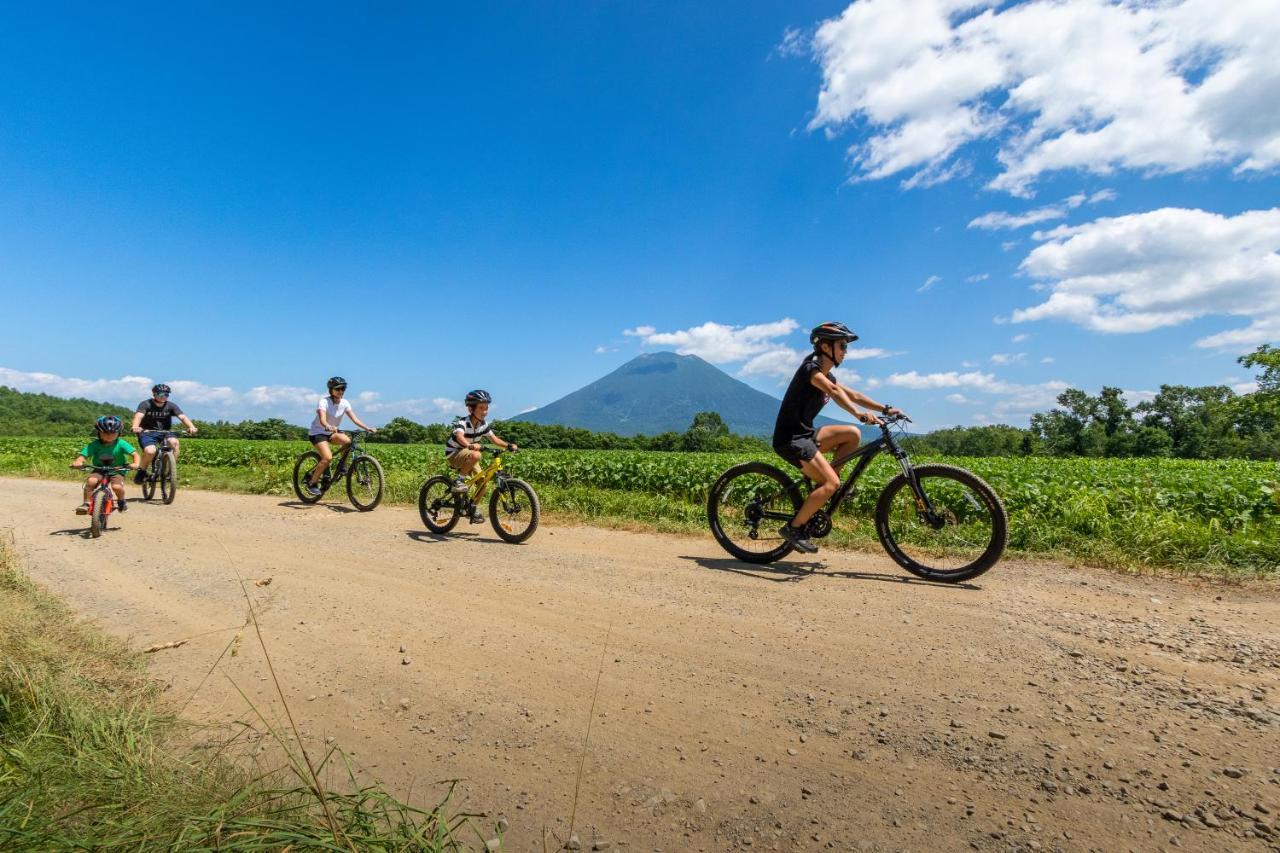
(351, 413)
(136, 462)
(324, 420)
(79, 463)
(846, 398)
(186, 422)
(137, 422)
(507, 444)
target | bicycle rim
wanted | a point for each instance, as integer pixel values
(437, 505)
(168, 478)
(514, 511)
(364, 483)
(746, 509)
(302, 469)
(148, 482)
(966, 535)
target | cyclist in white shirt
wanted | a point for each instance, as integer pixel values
(324, 428)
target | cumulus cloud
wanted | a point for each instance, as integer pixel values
(1010, 400)
(719, 343)
(1094, 85)
(1161, 268)
(212, 402)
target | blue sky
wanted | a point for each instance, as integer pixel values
(521, 197)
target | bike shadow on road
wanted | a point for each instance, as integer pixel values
(75, 531)
(462, 535)
(793, 572)
(330, 507)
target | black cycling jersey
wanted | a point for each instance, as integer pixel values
(157, 417)
(800, 405)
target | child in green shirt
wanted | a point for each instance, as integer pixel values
(108, 449)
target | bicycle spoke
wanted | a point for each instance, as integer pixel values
(957, 533)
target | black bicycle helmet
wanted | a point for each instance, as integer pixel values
(161, 389)
(831, 332)
(478, 396)
(337, 382)
(108, 423)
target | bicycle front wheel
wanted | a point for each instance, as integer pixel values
(98, 516)
(168, 477)
(514, 511)
(747, 507)
(148, 482)
(364, 483)
(963, 537)
(438, 505)
(302, 469)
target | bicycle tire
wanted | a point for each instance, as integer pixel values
(98, 516)
(303, 495)
(373, 469)
(148, 482)
(496, 504)
(724, 526)
(976, 556)
(427, 502)
(168, 477)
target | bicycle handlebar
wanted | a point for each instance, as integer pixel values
(101, 468)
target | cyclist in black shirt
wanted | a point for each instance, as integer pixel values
(156, 415)
(794, 436)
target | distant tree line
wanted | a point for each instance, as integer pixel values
(1206, 422)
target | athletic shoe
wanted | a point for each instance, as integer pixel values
(459, 486)
(122, 504)
(313, 489)
(476, 517)
(140, 476)
(83, 509)
(798, 538)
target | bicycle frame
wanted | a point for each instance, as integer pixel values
(869, 451)
(486, 474)
(338, 467)
(162, 447)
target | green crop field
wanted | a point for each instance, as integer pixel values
(1221, 515)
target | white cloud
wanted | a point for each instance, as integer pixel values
(1162, 268)
(974, 279)
(998, 220)
(1008, 245)
(950, 379)
(1007, 358)
(1048, 359)
(960, 400)
(213, 402)
(1133, 398)
(602, 349)
(1015, 401)
(1017, 339)
(717, 342)
(1244, 387)
(781, 362)
(928, 283)
(794, 43)
(859, 353)
(968, 364)
(1094, 85)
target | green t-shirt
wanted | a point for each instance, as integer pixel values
(119, 452)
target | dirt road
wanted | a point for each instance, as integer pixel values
(833, 703)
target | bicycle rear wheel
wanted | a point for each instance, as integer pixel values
(747, 507)
(963, 538)
(302, 469)
(438, 505)
(364, 483)
(514, 511)
(168, 477)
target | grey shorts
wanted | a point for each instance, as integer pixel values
(797, 449)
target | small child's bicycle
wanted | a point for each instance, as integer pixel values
(513, 506)
(363, 473)
(163, 468)
(102, 501)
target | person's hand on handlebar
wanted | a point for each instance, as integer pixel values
(79, 466)
(869, 419)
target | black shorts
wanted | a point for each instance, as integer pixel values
(324, 436)
(797, 449)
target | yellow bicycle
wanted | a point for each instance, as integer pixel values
(513, 505)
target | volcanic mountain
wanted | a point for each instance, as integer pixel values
(661, 392)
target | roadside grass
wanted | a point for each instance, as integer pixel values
(89, 760)
(1130, 522)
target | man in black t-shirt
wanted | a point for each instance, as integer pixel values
(157, 414)
(796, 440)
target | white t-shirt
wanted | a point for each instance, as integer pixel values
(332, 411)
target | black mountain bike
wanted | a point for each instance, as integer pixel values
(362, 472)
(163, 469)
(937, 521)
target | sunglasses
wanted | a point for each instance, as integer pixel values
(159, 396)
